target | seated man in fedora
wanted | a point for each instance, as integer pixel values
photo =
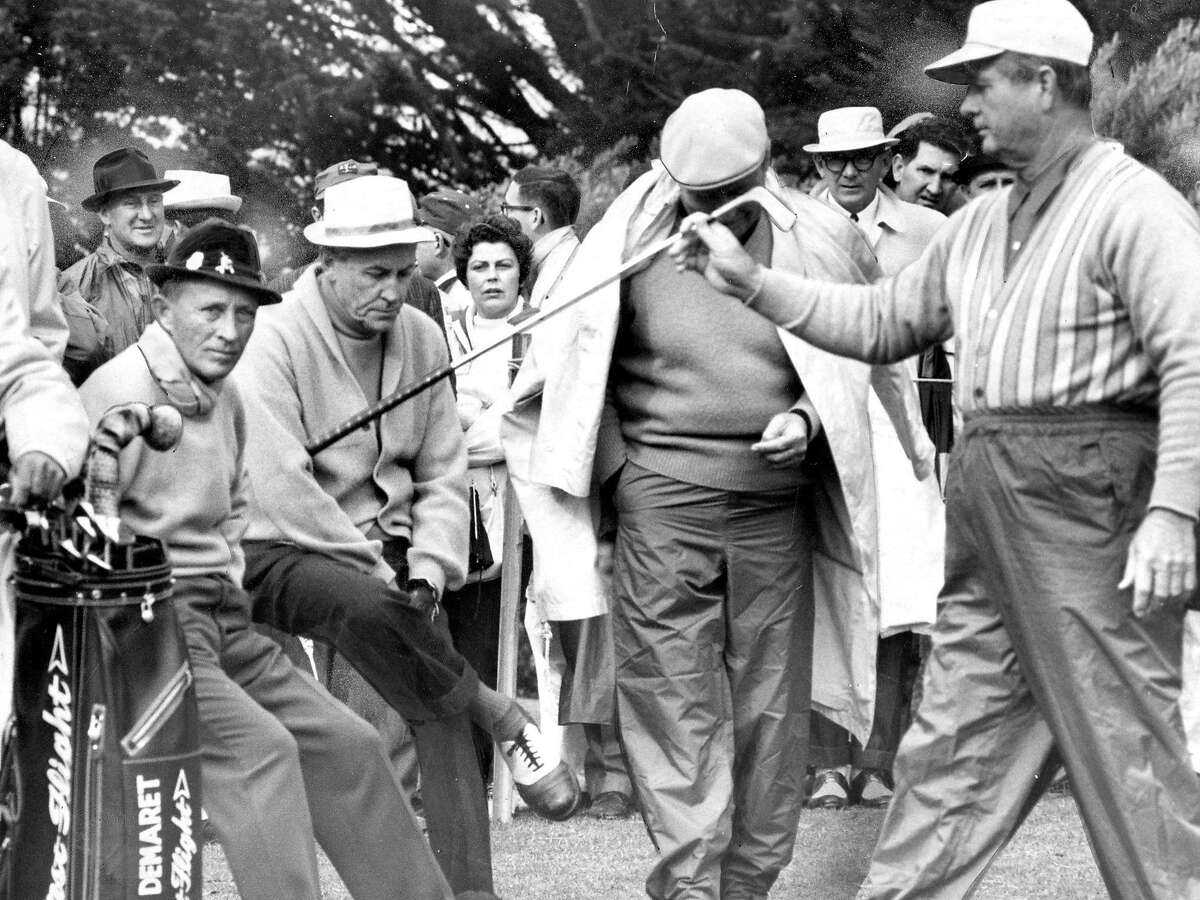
(355, 545)
(283, 760)
(128, 198)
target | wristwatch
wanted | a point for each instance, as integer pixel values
(424, 596)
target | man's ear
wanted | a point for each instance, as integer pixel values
(162, 310)
(897, 166)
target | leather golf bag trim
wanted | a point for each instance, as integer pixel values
(103, 769)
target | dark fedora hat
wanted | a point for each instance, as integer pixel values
(218, 251)
(126, 169)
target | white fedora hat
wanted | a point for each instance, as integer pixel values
(849, 128)
(200, 190)
(369, 211)
(1054, 29)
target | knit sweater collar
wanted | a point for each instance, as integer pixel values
(184, 390)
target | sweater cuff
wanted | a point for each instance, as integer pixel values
(1177, 492)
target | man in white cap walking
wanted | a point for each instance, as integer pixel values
(727, 439)
(852, 155)
(1074, 490)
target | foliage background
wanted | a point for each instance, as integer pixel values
(459, 92)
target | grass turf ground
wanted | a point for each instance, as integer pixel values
(586, 859)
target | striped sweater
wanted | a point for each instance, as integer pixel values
(1100, 305)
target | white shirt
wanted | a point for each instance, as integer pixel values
(868, 219)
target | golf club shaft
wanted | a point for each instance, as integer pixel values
(408, 391)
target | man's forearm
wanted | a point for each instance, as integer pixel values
(880, 323)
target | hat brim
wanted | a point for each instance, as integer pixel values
(845, 146)
(96, 201)
(229, 204)
(161, 272)
(414, 234)
(954, 67)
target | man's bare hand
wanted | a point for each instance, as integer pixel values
(35, 479)
(784, 441)
(1162, 561)
(711, 249)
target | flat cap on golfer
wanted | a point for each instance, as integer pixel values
(714, 138)
(1054, 29)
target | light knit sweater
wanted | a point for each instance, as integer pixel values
(1099, 306)
(193, 498)
(403, 476)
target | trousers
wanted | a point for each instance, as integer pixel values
(284, 762)
(412, 664)
(713, 634)
(1037, 659)
(831, 745)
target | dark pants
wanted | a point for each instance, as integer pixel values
(412, 664)
(713, 633)
(1036, 660)
(473, 615)
(283, 760)
(832, 746)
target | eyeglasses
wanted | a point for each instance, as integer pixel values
(861, 161)
(507, 209)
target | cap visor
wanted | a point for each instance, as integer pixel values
(160, 272)
(849, 144)
(953, 68)
(414, 234)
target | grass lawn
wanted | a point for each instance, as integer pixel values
(589, 860)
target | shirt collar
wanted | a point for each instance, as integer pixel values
(546, 244)
(446, 280)
(108, 256)
(868, 216)
(1045, 184)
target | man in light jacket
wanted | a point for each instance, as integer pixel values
(852, 154)
(736, 456)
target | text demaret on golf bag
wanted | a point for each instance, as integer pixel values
(104, 762)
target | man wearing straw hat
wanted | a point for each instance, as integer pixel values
(356, 545)
(1075, 487)
(197, 197)
(128, 198)
(736, 457)
(852, 155)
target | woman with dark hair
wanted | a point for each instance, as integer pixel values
(493, 258)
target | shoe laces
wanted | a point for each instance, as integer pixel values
(522, 745)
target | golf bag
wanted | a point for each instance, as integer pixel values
(101, 773)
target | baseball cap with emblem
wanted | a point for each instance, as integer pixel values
(714, 138)
(346, 170)
(447, 211)
(849, 128)
(216, 250)
(122, 170)
(1054, 29)
(370, 211)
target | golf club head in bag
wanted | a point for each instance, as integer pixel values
(100, 788)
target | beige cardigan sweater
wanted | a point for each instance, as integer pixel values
(403, 476)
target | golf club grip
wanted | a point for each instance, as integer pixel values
(374, 411)
(160, 426)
